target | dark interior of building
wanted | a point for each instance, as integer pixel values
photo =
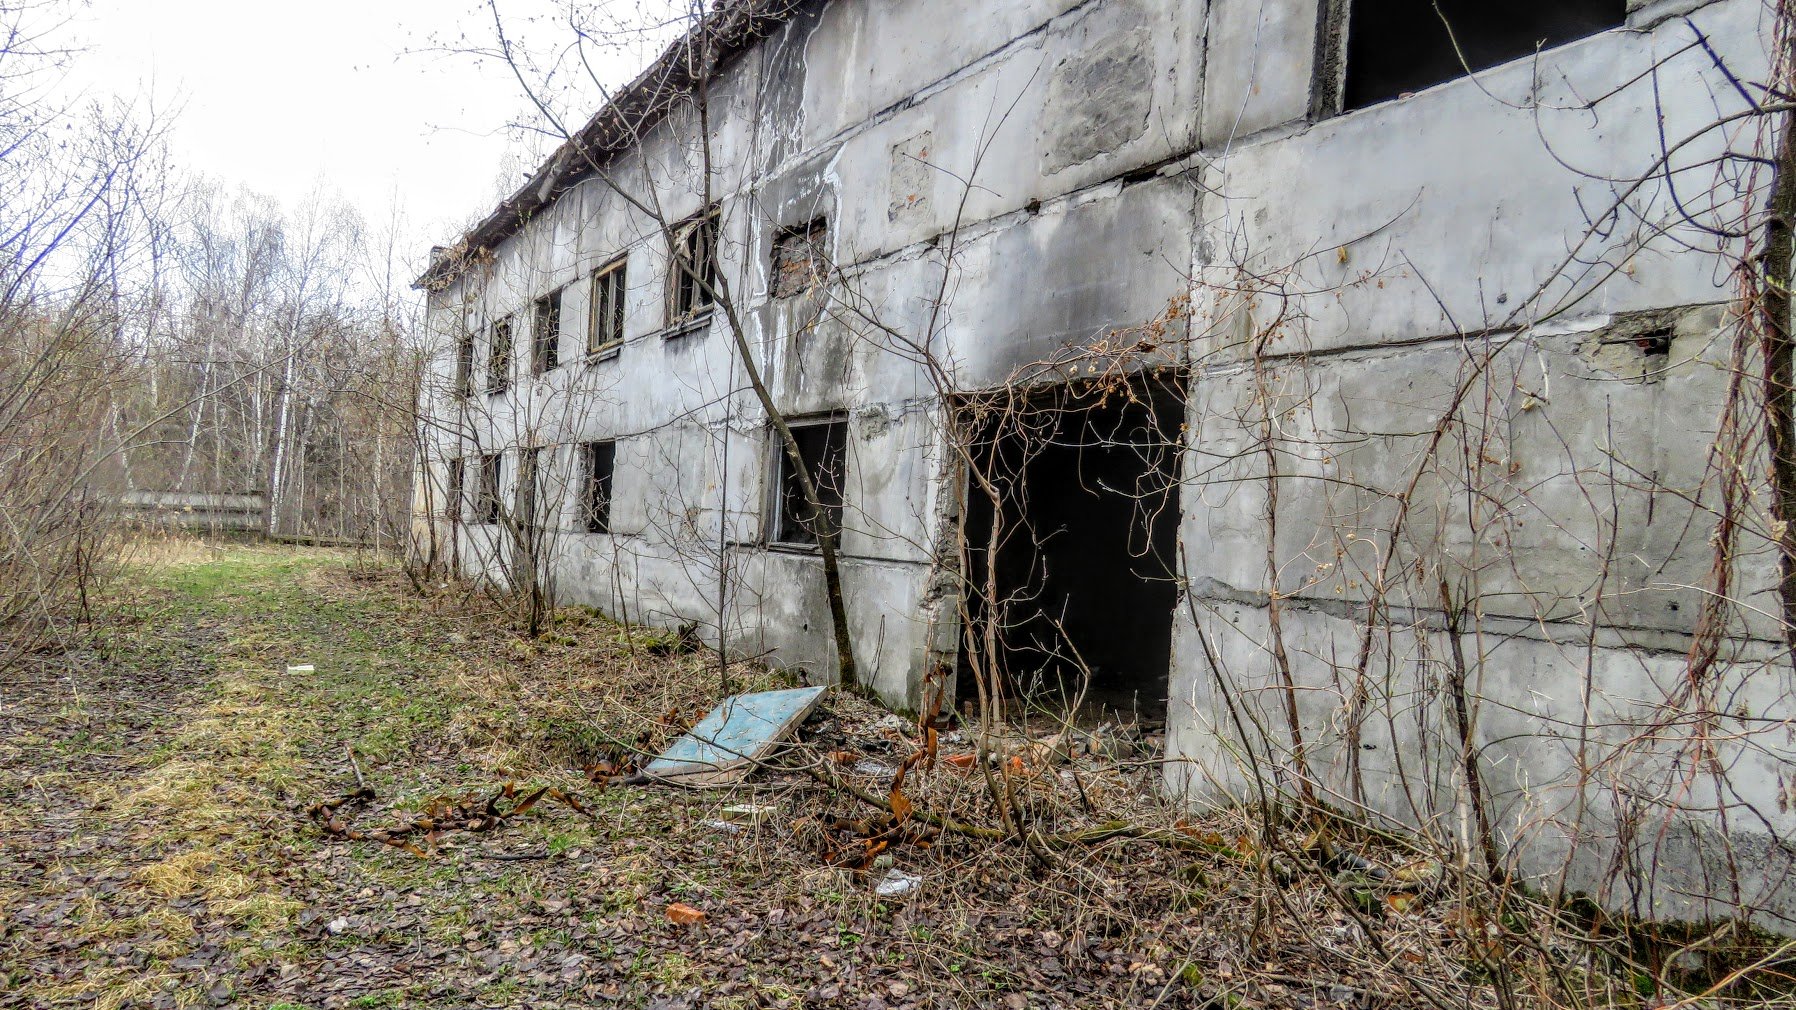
(1398, 46)
(1087, 540)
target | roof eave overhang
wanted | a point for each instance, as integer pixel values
(617, 127)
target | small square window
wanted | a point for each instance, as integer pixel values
(486, 503)
(498, 357)
(692, 287)
(546, 334)
(601, 465)
(823, 447)
(606, 328)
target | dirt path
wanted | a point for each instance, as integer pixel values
(154, 849)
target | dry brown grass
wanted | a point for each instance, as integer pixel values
(1229, 910)
(1217, 910)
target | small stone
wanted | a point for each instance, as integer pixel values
(337, 925)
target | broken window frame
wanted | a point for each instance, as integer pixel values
(486, 500)
(789, 530)
(498, 356)
(1331, 90)
(545, 333)
(600, 462)
(809, 238)
(605, 310)
(692, 293)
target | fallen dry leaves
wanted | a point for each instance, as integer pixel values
(529, 906)
(681, 914)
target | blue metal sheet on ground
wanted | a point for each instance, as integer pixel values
(742, 728)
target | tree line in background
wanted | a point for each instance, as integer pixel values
(275, 359)
(160, 332)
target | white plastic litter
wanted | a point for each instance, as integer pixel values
(749, 813)
(301, 668)
(896, 883)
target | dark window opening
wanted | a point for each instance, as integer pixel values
(529, 491)
(1648, 335)
(1398, 46)
(498, 357)
(1655, 343)
(530, 498)
(601, 464)
(546, 333)
(486, 502)
(605, 329)
(694, 280)
(464, 365)
(452, 504)
(1086, 546)
(823, 447)
(800, 258)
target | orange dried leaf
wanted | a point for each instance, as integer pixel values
(1401, 903)
(842, 757)
(960, 760)
(681, 914)
(901, 806)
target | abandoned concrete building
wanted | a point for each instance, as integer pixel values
(1337, 381)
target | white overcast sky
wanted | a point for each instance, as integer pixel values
(282, 97)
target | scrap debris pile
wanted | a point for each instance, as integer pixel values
(440, 816)
(918, 775)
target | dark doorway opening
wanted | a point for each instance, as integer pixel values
(1076, 600)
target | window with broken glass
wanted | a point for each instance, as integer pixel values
(498, 357)
(532, 473)
(486, 502)
(605, 330)
(546, 331)
(692, 286)
(464, 365)
(452, 504)
(601, 464)
(822, 445)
